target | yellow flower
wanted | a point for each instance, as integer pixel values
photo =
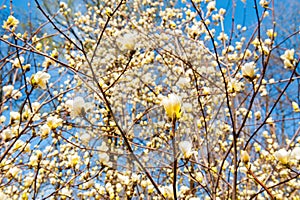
(271, 33)
(288, 59)
(295, 107)
(10, 23)
(74, 159)
(172, 105)
(245, 158)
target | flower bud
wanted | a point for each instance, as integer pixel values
(245, 158)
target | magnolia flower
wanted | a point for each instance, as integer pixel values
(53, 122)
(183, 82)
(271, 33)
(264, 3)
(211, 6)
(35, 158)
(168, 191)
(2, 119)
(3, 196)
(128, 41)
(14, 171)
(288, 58)
(40, 79)
(295, 154)
(283, 156)
(103, 158)
(6, 134)
(222, 36)
(79, 107)
(85, 138)
(206, 90)
(245, 158)
(17, 62)
(8, 90)
(234, 86)
(248, 70)
(16, 94)
(73, 159)
(257, 115)
(199, 177)
(172, 105)
(66, 192)
(14, 115)
(44, 131)
(10, 23)
(28, 180)
(185, 148)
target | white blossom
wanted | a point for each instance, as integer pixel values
(40, 79)
(185, 148)
(128, 41)
(79, 107)
(283, 156)
(8, 90)
(248, 70)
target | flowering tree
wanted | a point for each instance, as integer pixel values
(149, 100)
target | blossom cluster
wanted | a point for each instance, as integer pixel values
(148, 100)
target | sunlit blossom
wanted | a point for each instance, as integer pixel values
(248, 70)
(74, 159)
(83, 115)
(66, 192)
(2, 119)
(283, 156)
(211, 6)
(168, 191)
(14, 171)
(28, 180)
(7, 89)
(44, 130)
(40, 79)
(53, 122)
(172, 105)
(10, 23)
(288, 58)
(14, 116)
(6, 134)
(235, 86)
(271, 34)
